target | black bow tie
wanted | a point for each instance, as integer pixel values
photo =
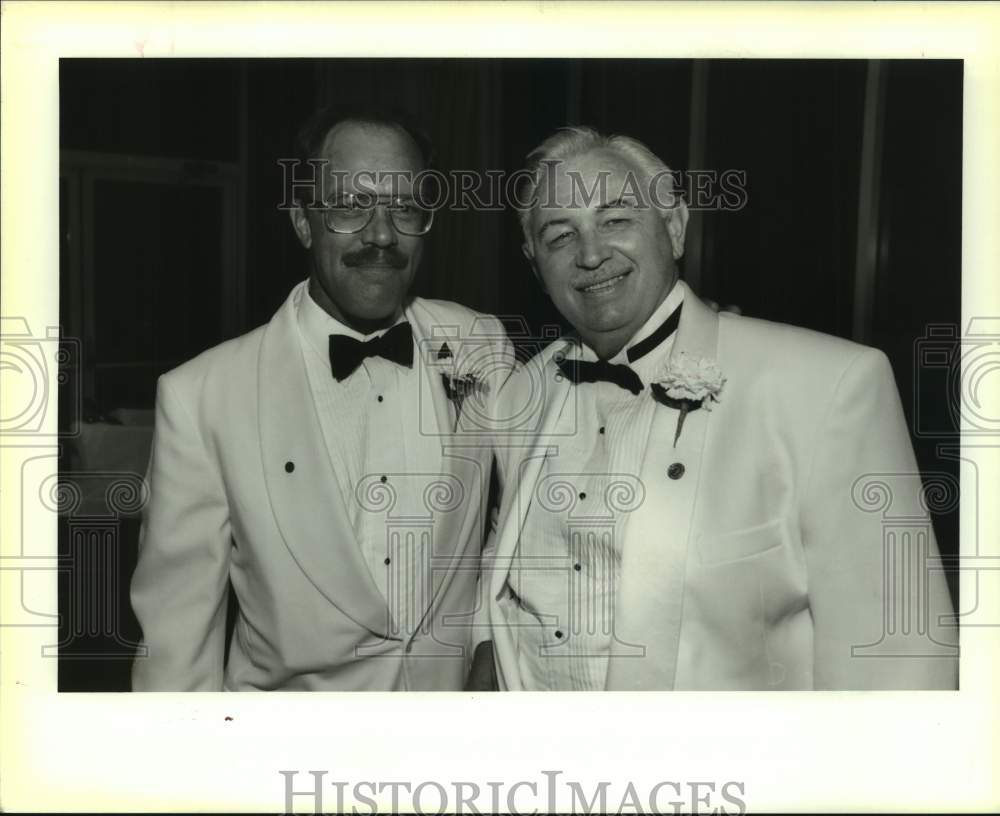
(346, 353)
(582, 371)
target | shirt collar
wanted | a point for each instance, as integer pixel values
(671, 302)
(316, 325)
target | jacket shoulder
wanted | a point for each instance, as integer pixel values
(446, 313)
(221, 361)
(796, 342)
(780, 357)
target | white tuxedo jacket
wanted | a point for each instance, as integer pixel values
(782, 544)
(242, 488)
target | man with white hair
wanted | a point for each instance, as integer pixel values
(680, 493)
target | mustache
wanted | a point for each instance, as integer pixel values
(375, 256)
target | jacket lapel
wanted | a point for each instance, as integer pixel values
(649, 599)
(428, 424)
(525, 458)
(454, 486)
(305, 499)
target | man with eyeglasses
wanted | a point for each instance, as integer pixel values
(329, 465)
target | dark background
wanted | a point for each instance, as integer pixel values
(172, 241)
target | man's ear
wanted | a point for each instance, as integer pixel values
(677, 221)
(300, 223)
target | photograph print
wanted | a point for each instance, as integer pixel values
(509, 374)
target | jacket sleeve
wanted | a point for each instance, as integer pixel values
(180, 584)
(875, 596)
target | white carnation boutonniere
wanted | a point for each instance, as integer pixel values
(687, 384)
(458, 385)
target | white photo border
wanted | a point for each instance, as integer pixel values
(223, 752)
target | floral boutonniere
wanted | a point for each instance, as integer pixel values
(687, 384)
(458, 386)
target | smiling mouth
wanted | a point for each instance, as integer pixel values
(605, 285)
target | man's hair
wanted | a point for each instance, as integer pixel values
(570, 142)
(313, 132)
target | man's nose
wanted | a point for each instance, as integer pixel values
(592, 250)
(380, 231)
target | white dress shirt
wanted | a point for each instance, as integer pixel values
(565, 574)
(362, 418)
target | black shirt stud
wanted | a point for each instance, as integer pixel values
(675, 471)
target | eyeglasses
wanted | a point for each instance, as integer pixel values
(353, 212)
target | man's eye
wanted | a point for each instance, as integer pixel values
(560, 239)
(617, 222)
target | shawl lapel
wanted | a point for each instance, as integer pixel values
(649, 596)
(454, 479)
(527, 457)
(301, 486)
